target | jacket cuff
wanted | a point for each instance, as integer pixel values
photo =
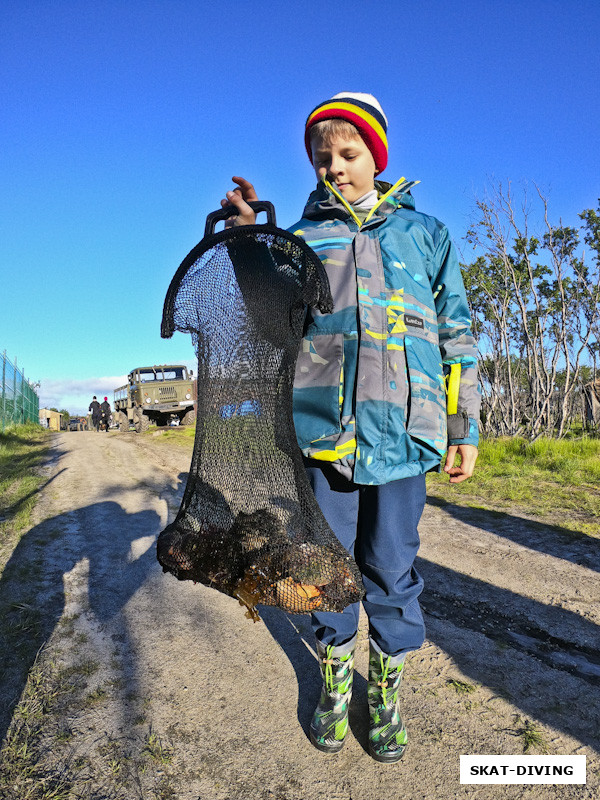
(462, 429)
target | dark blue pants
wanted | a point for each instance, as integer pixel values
(378, 526)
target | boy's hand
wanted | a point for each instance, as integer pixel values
(468, 455)
(239, 198)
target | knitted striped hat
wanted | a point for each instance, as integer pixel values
(364, 112)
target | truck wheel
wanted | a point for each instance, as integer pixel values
(123, 422)
(189, 418)
(141, 421)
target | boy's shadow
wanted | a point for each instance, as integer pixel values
(294, 635)
(119, 548)
(556, 540)
(473, 607)
(535, 647)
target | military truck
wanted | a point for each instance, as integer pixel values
(163, 394)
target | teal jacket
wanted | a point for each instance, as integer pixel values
(388, 379)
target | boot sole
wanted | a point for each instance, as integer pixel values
(393, 759)
(324, 748)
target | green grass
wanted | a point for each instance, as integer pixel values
(460, 687)
(22, 450)
(97, 696)
(182, 435)
(82, 669)
(22, 774)
(555, 480)
(156, 750)
(531, 735)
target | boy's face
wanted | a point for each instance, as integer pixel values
(347, 162)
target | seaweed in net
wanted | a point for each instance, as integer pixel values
(249, 524)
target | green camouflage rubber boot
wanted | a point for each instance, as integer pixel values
(329, 724)
(387, 734)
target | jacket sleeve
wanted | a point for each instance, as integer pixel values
(457, 345)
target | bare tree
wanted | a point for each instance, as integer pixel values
(535, 301)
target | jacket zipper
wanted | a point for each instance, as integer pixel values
(384, 197)
(343, 201)
(381, 200)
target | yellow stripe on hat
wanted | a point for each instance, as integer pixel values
(360, 112)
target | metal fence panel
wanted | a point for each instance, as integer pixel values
(19, 402)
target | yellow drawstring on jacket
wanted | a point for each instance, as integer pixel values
(453, 387)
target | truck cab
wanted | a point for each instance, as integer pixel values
(162, 394)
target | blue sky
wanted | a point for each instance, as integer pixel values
(123, 122)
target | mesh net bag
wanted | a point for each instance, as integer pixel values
(249, 525)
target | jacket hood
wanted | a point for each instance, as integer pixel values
(325, 201)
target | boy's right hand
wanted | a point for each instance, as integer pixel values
(239, 198)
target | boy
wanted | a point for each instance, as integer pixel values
(384, 385)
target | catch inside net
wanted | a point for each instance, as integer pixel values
(249, 525)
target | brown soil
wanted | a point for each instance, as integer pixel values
(173, 693)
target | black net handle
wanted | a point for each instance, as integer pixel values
(232, 211)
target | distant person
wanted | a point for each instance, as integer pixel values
(94, 407)
(385, 386)
(105, 412)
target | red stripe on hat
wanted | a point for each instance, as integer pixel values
(373, 141)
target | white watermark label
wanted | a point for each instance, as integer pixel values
(522, 769)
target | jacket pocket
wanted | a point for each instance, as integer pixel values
(426, 412)
(317, 388)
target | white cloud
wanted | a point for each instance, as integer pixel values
(76, 395)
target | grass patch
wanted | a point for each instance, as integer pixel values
(181, 435)
(82, 669)
(156, 750)
(24, 621)
(557, 480)
(22, 774)
(22, 451)
(531, 736)
(64, 734)
(97, 696)
(460, 687)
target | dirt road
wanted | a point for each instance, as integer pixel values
(175, 694)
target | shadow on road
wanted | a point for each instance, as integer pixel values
(562, 689)
(293, 634)
(555, 540)
(119, 548)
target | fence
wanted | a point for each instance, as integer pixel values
(19, 402)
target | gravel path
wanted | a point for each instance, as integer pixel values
(175, 694)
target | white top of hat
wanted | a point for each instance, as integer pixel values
(364, 98)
